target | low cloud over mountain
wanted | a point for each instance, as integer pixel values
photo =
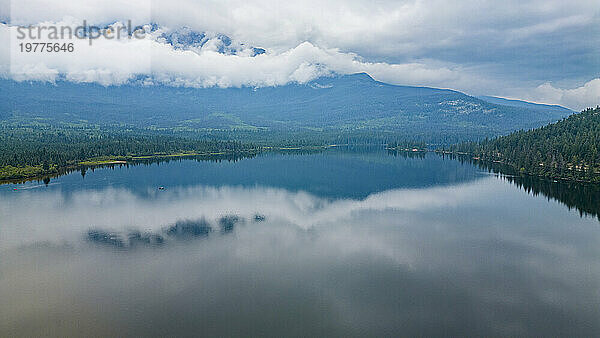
(544, 51)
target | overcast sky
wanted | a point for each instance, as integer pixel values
(544, 51)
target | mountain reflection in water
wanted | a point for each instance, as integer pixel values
(181, 230)
(233, 249)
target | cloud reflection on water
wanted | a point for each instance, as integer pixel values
(53, 215)
(481, 258)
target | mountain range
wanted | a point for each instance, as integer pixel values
(338, 104)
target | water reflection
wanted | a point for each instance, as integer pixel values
(182, 230)
(349, 172)
(83, 169)
(117, 240)
(332, 244)
(478, 258)
(190, 228)
(353, 172)
(583, 197)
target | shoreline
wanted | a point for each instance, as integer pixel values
(515, 172)
(36, 173)
(106, 161)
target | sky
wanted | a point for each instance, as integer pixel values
(542, 51)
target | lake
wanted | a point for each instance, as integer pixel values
(347, 242)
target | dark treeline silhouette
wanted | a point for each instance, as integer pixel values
(568, 149)
(583, 197)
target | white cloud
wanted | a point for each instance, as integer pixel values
(384, 26)
(260, 22)
(480, 47)
(578, 98)
(118, 61)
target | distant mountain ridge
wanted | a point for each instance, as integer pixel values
(337, 104)
(524, 104)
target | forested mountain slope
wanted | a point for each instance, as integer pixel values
(326, 106)
(568, 149)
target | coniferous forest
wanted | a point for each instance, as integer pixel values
(33, 152)
(568, 149)
(565, 150)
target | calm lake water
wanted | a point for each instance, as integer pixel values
(340, 243)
